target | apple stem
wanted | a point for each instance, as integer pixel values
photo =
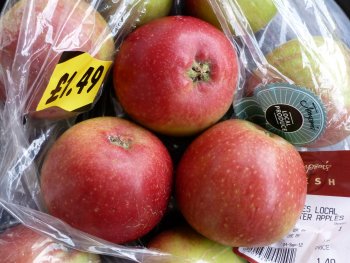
(119, 141)
(200, 71)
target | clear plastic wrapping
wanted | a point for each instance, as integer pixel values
(34, 35)
(304, 46)
(303, 49)
(300, 60)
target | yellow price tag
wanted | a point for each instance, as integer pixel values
(75, 81)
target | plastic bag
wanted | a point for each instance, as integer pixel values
(47, 47)
(35, 247)
(297, 71)
(25, 138)
(304, 48)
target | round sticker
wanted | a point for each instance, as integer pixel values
(293, 112)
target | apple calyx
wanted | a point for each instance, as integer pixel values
(200, 71)
(120, 141)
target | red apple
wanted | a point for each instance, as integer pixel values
(20, 244)
(257, 12)
(321, 66)
(108, 177)
(186, 245)
(176, 75)
(33, 36)
(240, 185)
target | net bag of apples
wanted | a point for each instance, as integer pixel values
(171, 131)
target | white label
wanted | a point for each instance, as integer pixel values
(322, 235)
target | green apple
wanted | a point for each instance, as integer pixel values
(154, 9)
(321, 65)
(257, 12)
(186, 245)
(149, 9)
